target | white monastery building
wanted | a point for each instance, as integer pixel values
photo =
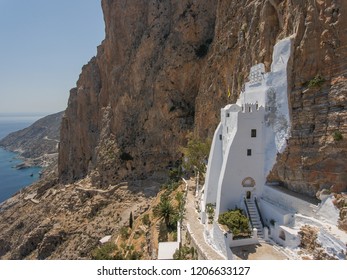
(244, 148)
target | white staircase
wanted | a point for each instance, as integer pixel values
(255, 217)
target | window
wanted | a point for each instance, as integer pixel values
(228, 115)
(220, 136)
(253, 133)
(248, 182)
(249, 152)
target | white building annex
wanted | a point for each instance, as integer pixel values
(243, 152)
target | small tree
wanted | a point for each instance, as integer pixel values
(166, 211)
(196, 154)
(131, 220)
(236, 221)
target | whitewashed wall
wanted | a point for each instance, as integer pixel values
(221, 242)
(288, 202)
(237, 165)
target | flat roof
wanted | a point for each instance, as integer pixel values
(105, 239)
(292, 231)
(166, 250)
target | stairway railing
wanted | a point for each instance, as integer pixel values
(256, 205)
(248, 213)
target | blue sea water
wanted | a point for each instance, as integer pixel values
(11, 179)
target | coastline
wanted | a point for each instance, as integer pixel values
(13, 179)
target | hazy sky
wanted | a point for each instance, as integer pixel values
(43, 46)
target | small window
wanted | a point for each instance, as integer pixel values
(249, 152)
(249, 109)
(220, 136)
(228, 115)
(253, 133)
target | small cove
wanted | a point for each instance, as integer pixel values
(12, 179)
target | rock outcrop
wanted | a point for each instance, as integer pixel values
(165, 68)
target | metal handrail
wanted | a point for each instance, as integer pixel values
(256, 205)
(248, 214)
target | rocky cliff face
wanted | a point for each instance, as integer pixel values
(165, 67)
(135, 102)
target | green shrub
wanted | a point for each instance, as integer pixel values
(175, 174)
(236, 222)
(170, 186)
(145, 220)
(104, 252)
(185, 253)
(317, 81)
(126, 252)
(124, 232)
(210, 212)
(337, 135)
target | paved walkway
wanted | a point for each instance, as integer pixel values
(262, 251)
(196, 228)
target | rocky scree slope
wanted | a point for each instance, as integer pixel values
(67, 221)
(165, 67)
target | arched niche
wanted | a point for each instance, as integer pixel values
(248, 182)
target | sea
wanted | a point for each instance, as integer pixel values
(12, 179)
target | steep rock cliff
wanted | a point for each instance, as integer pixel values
(165, 68)
(135, 102)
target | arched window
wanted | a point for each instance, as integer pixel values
(248, 182)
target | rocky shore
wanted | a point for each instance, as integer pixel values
(36, 145)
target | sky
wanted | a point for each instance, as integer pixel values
(43, 46)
